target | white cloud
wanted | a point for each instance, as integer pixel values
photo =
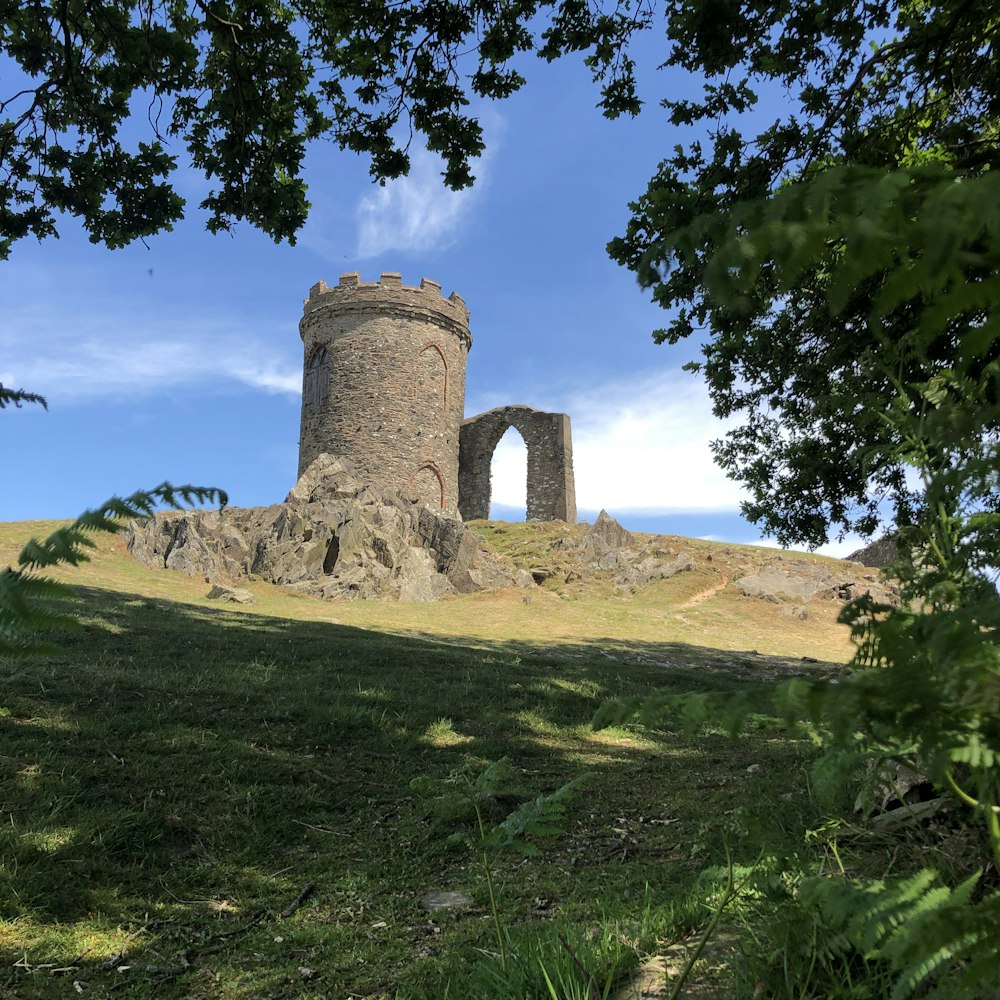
(417, 213)
(835, 549)
(639, 445)
(843, 548)
(114, 356)
(412, 214)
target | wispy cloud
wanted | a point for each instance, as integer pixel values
(639, 445)
(416, 213)
(73, 358)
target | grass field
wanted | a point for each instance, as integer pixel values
(202, 802)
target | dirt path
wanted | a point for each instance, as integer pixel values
(704, 595)
(710, 978)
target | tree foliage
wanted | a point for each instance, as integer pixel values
(923, 242)
(101, 91)
(101, 96)
(891, 86)
(18, 397)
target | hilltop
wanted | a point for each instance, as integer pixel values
(582, 596)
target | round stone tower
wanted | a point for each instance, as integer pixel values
(384, 384)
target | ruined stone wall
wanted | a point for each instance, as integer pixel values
(384, 383)
(551, 487)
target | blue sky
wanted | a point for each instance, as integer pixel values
(181, 359)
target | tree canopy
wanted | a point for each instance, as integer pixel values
(246, 85)
(901, 86)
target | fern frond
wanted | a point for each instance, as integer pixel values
(540, 817)
(496, 780)
(21, 590)
(67, 545)
(930, 934)
(18, 397)
(620, 710)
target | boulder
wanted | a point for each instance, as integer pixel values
(332, 537)
(773, 584)
(800, 581)
(679, 564)
(236, 595)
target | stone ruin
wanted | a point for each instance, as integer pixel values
(387, 465)
(384, 389)
(551, 492)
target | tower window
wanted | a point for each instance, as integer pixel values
(316, 386)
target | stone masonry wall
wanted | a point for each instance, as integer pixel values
(389, 394)
(551, 487)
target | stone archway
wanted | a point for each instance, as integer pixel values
(551, 489)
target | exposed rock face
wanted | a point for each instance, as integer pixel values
(332, 537)
(799, 580)
(877, 554)
(607, 547)
(607, 530)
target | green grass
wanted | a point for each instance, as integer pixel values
(185, 775)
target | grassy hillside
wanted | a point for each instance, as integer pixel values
(693, 607)
(202, 802)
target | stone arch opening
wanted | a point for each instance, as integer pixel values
(432, 372)
(427, 485)
(551, 493)
(316, 383)
(509, 477)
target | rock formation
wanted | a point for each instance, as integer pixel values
(607, 547)
(332, 537)
(877, 554)
(790, 579)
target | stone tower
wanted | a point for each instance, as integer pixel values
(384, 384)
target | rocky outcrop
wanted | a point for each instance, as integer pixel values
(606, 547)
(800, 581)
(877, 554)
(332, 537)
(235, 595)
(608, 533)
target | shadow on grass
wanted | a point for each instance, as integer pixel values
(184, 769)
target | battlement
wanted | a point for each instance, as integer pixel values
(389, 281)
(386, 297)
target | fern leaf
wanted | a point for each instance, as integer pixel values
(18, 397)
(541, 817)
(21, 590)
(495, 780)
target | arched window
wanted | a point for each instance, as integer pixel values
(316, 385)
(508, 471)
(433, 372)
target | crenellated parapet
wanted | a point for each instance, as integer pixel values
(390, 298)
